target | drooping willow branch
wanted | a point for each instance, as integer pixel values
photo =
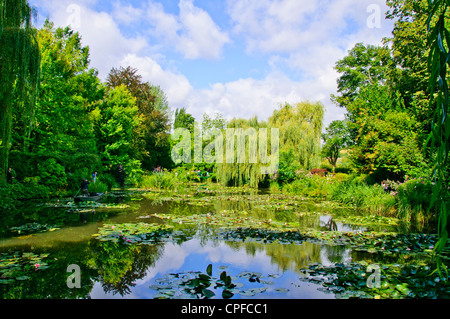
(19, 69)
(439, 139)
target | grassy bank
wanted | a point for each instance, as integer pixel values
(408, 201)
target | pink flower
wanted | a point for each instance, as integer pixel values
(36, 266)
(113, 227)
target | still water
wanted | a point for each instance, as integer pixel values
(35, 264)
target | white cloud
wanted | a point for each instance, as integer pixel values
(98, 30)
(245, 98)
(126, 14)
(301, 39)
(175, 85)
(192, 33)
(307, 38)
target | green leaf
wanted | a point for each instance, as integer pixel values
(204, 278)
(209, 270)
(208, 293)
(226, 294)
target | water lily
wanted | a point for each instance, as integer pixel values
(36, 266)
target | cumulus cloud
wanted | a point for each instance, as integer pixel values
(176, 86)
(301, 41)
(193, 33)
(308, 37)
(98, 30)
(245, 98)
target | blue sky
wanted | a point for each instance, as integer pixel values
(240, 58)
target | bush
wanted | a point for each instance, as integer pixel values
(159, 179)
(53, 175)
(30, 189)
(413, 199)
(341, 177)
(359, 195)
(310, 186)
(133, 171)
(97, 187)
(109, 181)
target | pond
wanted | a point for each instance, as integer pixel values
(210, 242)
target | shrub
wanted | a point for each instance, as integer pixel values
(341, 177)
(362, 196)
(413, 199)
(159, 179)
(109, 181)
(310, 186)
(97, 187)
(53, 175)
(29, 189)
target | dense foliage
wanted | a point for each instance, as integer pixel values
(69, 124)
(81, 125)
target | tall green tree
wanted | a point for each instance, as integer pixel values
(385, 135)
(410, 53)
(364, 65)
(19, 69)
(116, 121)
(335, 138)
(62, 139)
(183, 120)
(151, 138)
(237, 167)
(300, 128)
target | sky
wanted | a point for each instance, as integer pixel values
(240, 58)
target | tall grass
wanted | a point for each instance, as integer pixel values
(371, 198)
(413, 200)
(408, 201)
(310, 186)
(160, 180)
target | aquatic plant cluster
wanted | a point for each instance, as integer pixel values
(237, 216)
(397, 281)
(20, 266)
(344, 280)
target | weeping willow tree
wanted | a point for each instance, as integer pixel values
(439, 139)
(250, 151)
(300, 132)
(19, 69)
(293, 130)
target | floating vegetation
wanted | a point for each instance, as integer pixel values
(262, 236)
(19, 266)
(32, 228)
(395, 281)
(386, 243)
(226, 219)
(142, 233)
(84, 206)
